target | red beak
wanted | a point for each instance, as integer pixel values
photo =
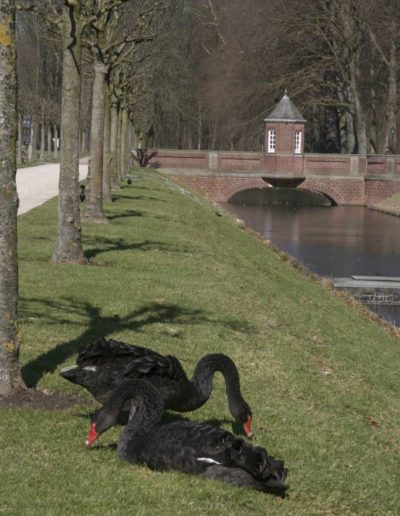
(93, 435)
(247, 427)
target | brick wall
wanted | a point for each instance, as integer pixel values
(219, 188)
(346, 179)
(283, 163)
(325, 165)
(240, 161)
(284, 135)
(349, 191)
(180, 159)
(377, 191)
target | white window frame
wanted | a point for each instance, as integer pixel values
(271, 140)
(297, 142)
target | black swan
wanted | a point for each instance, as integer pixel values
(183, 445)
(105, 363)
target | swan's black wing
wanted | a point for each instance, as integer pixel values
(154, 365)
(105, 363)
(203, 449)
(182, 446)
(103, 351)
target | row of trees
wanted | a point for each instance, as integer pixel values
(110, 38)
(179, 73)
(216, 68)
(339, 60)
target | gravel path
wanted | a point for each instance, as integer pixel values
(36, 185)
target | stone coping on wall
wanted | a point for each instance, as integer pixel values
(258, 164)
(208, 172)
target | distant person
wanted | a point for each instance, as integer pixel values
(388, 150)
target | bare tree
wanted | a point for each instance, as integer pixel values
(114, 34)
(69, 240)
(10, 376)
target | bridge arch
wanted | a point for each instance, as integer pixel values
(268, 195)
(330, 190)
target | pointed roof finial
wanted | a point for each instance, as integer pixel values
(285, 111)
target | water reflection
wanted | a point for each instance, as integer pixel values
(335, 242)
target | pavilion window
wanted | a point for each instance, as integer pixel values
(297, 142)
(271, 140)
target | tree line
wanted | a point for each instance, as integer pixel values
(117, 77)
(207, 72)
(60, 42)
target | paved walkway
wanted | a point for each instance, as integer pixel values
(38, 184)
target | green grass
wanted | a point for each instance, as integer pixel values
(321, 377)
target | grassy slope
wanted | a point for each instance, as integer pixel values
(169, 273)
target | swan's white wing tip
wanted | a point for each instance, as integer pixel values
(69, 368)
(90, 368)
(208, 460)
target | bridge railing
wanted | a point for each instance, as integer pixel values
(309, 164)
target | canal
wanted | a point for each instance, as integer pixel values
(335, 241)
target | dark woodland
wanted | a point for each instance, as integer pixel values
(202, 74)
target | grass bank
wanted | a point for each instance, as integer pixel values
(171, 273)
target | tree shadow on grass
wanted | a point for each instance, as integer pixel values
(117, 197)
(69, 312)
(136, 197)
(125, 214)
(120, 244)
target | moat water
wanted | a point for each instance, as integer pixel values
(336, 241)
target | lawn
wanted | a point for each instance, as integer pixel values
(171, 273)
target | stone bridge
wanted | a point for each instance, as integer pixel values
(344, 179)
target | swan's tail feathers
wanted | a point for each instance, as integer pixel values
(75, 374)
(242, 478)
(261, 467)
(90, 378)
(105, 350)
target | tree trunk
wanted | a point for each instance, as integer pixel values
(42, 141)
(114, 145)
(83, 141)
(10, 376)
(94, 200)
(32, 144)
(118, 147)
(69, 239)
(352, 36)
(49, 142)
(391, 132)
(361, 127)
(106, 151)
(130, 144)
(19, 146)
(199, 129)
(55, 132)
(123, 140)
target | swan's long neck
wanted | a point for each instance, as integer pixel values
(146, 411)
(202, 380)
